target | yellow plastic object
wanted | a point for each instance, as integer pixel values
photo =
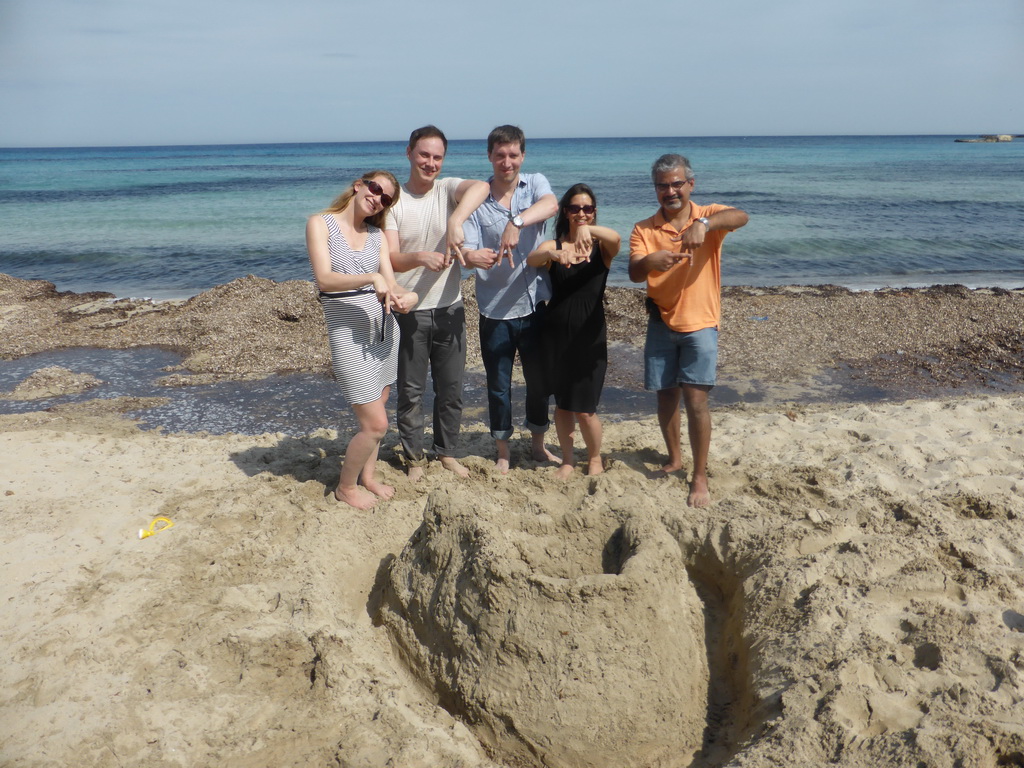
(153, 530)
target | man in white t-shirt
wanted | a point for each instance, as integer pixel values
(424, 234)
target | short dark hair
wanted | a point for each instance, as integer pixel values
(428, 132)
(506, 134)
(670, 162)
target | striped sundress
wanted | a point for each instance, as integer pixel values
(363, 340)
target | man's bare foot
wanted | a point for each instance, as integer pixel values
(379, 489)
(669, 468)
(502, 466)
(699, 496)
(415, 474)
(564, 472)
(595, 466)
(452, 465)
(355, 497)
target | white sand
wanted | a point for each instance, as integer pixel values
(864, 564)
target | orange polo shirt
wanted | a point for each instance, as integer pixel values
(689, 295)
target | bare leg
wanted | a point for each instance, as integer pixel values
(668, 420)
(452, 465)
(565, 426)
(504, 456)
(368, 476)
(590, 428)
(361, 457)
(539, 450)
(698, 418)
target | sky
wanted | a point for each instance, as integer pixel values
(156, 72)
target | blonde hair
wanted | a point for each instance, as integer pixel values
(341, 201)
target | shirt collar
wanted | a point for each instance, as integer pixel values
(662, 223)
(519, 185)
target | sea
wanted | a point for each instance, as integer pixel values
(857, 211)
(862, 212)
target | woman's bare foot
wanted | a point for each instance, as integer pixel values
(565, 471)
(542, 454)
(669, 468)
(415, 474)
(539, 451)
(452, 465)
(355, 497)
(379, 489)
(595, 466)
(504, 457)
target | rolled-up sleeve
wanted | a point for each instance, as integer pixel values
(471, 229)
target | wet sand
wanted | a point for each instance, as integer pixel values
(778, 341)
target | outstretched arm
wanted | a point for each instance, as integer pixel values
(643, 261)
(468, 195)
(610, 242)
(542, 210)
(548, 252)
(397, 297)
(403, 262)
(693, 236)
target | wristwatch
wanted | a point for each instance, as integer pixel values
(517, 221)
(707, 224)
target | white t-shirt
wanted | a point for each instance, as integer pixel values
(422, 225)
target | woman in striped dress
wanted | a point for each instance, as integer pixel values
(358, 292)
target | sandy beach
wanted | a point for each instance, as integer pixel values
(854, 596)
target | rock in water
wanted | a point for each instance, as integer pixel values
(562, 640)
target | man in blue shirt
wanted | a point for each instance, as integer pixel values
(511, 294)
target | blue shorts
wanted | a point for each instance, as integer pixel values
(672, 358)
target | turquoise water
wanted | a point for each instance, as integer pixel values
(858, 211)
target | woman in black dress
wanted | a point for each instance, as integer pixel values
(576, 338)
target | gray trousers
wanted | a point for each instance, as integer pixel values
(434, 338)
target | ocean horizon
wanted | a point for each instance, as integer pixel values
(858, 211)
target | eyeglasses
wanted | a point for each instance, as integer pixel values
(375, 189)
(675, 186)
(587, 209)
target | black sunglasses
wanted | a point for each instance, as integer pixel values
(587, 209)
(376, 189)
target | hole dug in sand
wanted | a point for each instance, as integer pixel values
(562, 639)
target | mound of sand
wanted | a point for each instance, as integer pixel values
(52, 381)
(565, 640)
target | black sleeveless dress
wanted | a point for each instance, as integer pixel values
(576, 337)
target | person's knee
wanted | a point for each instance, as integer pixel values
(373, 421)
(695, 398)
(375, 429)
(668, 399)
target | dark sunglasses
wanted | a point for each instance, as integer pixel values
(376, 189)
(587, 209)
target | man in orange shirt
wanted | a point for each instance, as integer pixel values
(678, 252)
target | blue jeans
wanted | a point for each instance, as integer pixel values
(672, 358)
(499, 342)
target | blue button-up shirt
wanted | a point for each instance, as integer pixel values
(504, 292)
